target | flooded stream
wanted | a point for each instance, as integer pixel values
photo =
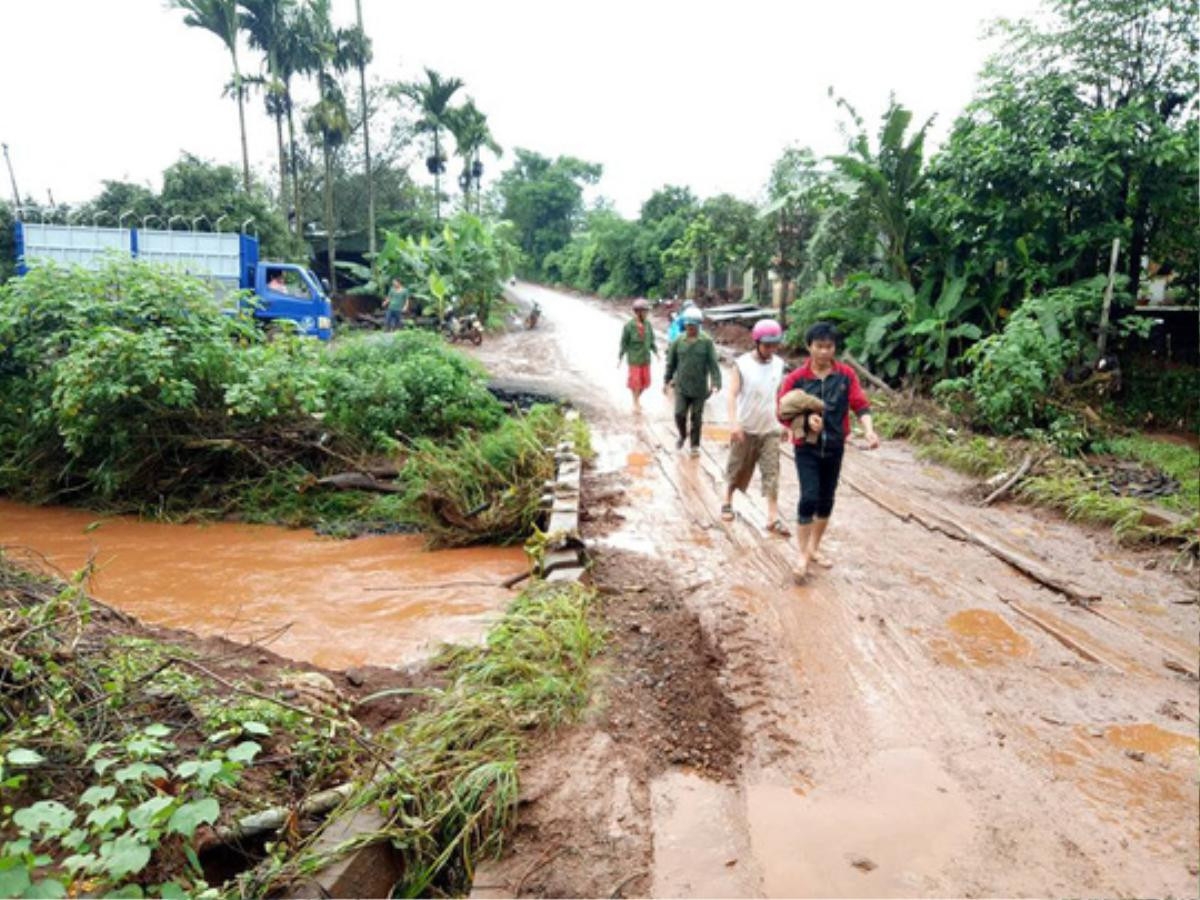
(371, 601)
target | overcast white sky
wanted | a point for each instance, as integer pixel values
(705, 94)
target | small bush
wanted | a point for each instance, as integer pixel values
(405, 386)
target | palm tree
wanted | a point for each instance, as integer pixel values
(265, 23)
(432, 98)
(297, 55)
(328, 118)
(361, 51)
(471, 135)
(221, 18)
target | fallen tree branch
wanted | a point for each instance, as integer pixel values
(512, 581)
(1016, 476)
(933, 522)
(872, 379)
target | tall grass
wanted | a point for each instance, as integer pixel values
(483, 487)
(450, 797)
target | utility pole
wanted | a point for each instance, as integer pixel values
(362, 79)
(13, 179)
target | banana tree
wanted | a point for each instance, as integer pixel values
(890, 179)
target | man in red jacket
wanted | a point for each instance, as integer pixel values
(818, 465)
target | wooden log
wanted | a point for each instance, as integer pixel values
(862, 370)
(358, 481)
(999, 492)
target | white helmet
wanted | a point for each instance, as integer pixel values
(692, 316)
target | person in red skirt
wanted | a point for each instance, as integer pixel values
(637, 343)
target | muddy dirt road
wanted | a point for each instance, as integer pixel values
(921, 720)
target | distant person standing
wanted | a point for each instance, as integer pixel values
(819, 460)
(397, 303)
(754, 433)
(693, 372)
(637, 344)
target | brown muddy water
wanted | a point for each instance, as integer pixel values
(371, 601)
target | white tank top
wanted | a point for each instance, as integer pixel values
(756, 399)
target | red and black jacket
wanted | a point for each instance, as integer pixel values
(840, 392)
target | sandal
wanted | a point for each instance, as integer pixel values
(823, 561)
(727, 513)
(777, 527)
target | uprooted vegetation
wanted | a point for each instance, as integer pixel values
(121, 755)
(127, 389)
(1147, 489)
(129, 764)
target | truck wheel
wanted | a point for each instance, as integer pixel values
(476, 338)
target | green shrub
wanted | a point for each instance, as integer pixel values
(405, 386)
(126, 387)
(114, 382)
(1016, 380)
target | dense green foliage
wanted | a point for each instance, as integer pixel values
(127, 387)
(1015, 372)
(543, 198)
(383, 392)
(463, 265)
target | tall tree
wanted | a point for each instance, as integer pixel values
(297, 55)
(471, 136)
(266, 23)
(432, 98)
(361, 52)
(1133, 67)
(221, 18)
(328, 118)
(543, 198)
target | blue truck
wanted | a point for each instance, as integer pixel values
(282, 291)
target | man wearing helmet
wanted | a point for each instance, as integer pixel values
(754, 434)
(693, 372)
(637, 343)
(676, 328)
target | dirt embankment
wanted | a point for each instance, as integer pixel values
(586, 799)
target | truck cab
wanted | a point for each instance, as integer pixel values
(287, 291)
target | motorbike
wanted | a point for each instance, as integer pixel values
(466, 327)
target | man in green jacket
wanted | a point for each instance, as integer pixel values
(637, 343)
(693, 371)
(397, 305)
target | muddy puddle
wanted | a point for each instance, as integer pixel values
(889, 829)
(371, 601)
(979, 637)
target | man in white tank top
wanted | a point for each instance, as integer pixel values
(754, 433)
